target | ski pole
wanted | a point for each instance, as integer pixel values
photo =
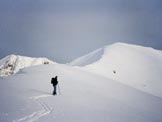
(59, 89)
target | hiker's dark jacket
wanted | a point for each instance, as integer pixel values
(54, 81)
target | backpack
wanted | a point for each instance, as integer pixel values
(52, 79)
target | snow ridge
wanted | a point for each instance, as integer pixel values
(137, 66)
(13, 63)
(89, 58)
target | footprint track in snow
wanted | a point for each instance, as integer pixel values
(37, 114)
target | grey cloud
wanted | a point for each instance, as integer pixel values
(65, 29)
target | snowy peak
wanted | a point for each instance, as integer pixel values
(13, 63)
(118, 47)
(137, 66)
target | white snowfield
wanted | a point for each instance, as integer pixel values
(13, 63)
(85, 95)
(136, 66)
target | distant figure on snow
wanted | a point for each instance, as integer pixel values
(54, 81)
(114, 71)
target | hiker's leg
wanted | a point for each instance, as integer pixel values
(54, 91)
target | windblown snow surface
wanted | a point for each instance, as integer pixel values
(83, 96)
(136, 66)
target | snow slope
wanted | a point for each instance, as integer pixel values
(84, 97)
(13, 63)
(136, 66)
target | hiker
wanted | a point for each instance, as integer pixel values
(54, 82)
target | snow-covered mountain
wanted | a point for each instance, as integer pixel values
(116, 83)
(137, 66)
(13, 63)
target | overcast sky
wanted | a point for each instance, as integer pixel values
(63, 30)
